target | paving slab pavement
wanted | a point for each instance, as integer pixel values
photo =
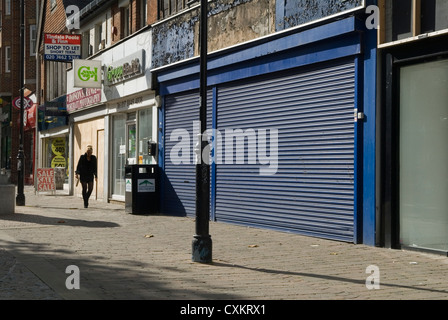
(148, 257)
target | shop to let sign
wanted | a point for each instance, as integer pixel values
(62, 47)
(45, 179)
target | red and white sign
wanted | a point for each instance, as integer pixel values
(45, 179)
(62, 47)
(31, 117)
(82, 98)
(27, 103)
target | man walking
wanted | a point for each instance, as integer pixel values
(86, 171)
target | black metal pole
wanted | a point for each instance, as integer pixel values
(202, 242)
(20, 199)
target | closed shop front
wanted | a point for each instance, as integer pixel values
(179, 178)
(414, 173)
(90, 132)
(285, 145)
(310, 185)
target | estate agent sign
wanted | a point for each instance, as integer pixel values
(62, 47)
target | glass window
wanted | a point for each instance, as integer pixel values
(143, 13)
(132, 140)
(409, 18)
(7, 59)
(423, 155)
(118, 154)
(398, 19)
(32, 40)
(86, 45)
(7, 7)
(434, 15)
(170, 7)
(125, 22)
(145, 136)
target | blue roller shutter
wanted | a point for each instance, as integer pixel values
(179, 180)
(312, 192)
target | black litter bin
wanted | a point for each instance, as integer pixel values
(142, 189)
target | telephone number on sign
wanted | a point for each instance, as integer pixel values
(61, 57)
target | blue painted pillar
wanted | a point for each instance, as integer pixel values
(369, 134)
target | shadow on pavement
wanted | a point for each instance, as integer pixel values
(324, 277)
(99, 280)
(52, 221)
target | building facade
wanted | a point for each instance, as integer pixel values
(292, 116)
(315, 112)
(10, 85)
(413, 53)
(110, 32)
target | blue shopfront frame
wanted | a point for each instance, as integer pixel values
(290, 49)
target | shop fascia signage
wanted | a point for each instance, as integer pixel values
(125, 69)
(87, 73)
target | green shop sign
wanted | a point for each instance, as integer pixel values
(126, 68)
(87, 73)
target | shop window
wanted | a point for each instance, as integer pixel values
(406, 19)
(423, 154)
(118, 154)
(132, 134)
(56, 153)
(145, 137)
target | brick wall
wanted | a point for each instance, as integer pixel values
(11, 81)
(152, 11)
(116, 22)
(55, 20)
